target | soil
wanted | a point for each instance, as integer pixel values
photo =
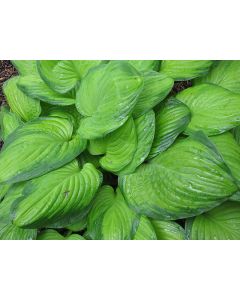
(7, 70)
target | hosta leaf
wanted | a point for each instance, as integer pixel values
(220, 223)
(34, 87)
(63, 75)
(11, 232)
(145, 129)
(86, 157)
(187, 179)
(3, 190)
(214, 109)
(145, 230)
(8, 122)
(144, 65)
(185, 69)
(171, 120)
(156, 87)
(235, 197)
(230, 152)
(236, 134)
(24, 106)
(225, 73)
(168, 230)
(110, 217)
(51, 234)
(25, 67)
(79, 226)
(106, 98)
(57, 196)
(38, 147)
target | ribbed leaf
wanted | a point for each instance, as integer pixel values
(38, 147)
(110, 217)
(3, 190)
(145, 65)
(86, 157)
(34, 87)
(25, 67)
(11, 232)
(79, 226)
(185, 69)
(63, 75)
(145, 230)
(145, 129)
(57, 196)
(171, 120)
(51, 234)
(214, 109)
(106, 98)
(156, 87)
(8, 122)
(225, 73)
(25, 107)
(168, 230)
(187, 179)
(220, 223)
(236, 134)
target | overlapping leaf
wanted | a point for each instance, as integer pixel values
(168, 230)
(145, 230)
(8, 123)
(145, 65)
(25, 67)
(51, 234)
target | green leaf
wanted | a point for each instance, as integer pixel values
(145, 65)
(22, 105)
(86, 157)
(156, 87)
(145, 129)
(106, 98)
(57, 197)
(185, 69)
(145, 230)
(110, 217)
(214, 109)
(168, 230)
(34, 87)
(11, 232)
(63, 75)
(225, 73)
(3, 190)
(51, 234)
(220, 223)
(79, 226)
(25, 67)
(187, 179)
(38, 147)
(171, 120)
(8, 122)
(236, 134)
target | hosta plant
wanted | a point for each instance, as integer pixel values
(120, 150)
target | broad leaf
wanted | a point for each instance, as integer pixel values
(110, 217)
(171, 120)
(51, 234)
(58, 196)
(220, 223)
(168, 230)
(34, 87)
(25, 67)
(11, 232)
(63, 75)
(79, 226)
(24, 106)
(38, 147)
(106, 98)
(214, 109)
(225, 73)
(8, 122)
(185, 69)
(3, 190)
(145, 65)
(145, 230)
(156, 87)
(187, 179)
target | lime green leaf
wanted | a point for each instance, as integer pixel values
(230, 152)
(25, 67)
(106, 98)
(51, 234)
(144, 65)
(110, 217)
(57, 196)
(185, 69)
(145, 128)
(8, 122)
(34, 87)
(171, 120)
(38, 147)
(11, 232)
(86, 157)
(168, 230)
(3, 190)
(214, 109)
(145, 230)
(225, 73)
(156, 87)
(187, 179)
(79, 226)
(24, 106)
(63, 75)
(236, 134)
(220, 223)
